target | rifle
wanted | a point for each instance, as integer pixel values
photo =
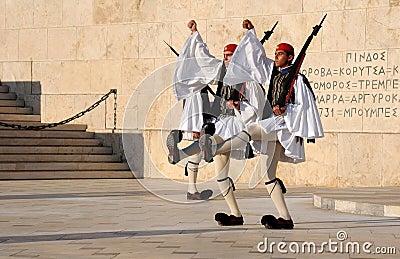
(172, 49)
(294, 71)
(267, 34)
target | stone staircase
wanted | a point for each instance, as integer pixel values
(64, 152)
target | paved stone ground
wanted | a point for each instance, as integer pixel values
(120, 219)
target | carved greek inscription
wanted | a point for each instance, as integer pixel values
(363, 86)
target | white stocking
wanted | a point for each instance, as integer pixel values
(192, 169)
(239, 141)
(274, 188)
(192, 149)
(222, 170)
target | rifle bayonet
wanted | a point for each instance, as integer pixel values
(268, 34)
(172, 49)
(317, 27)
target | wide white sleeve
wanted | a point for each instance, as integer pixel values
(195, 68)
(192, 115)
(302, 117)
(252, 109)
(249, 62)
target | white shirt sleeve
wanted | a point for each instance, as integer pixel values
(252, 110)
(192, 114)
(195, 68)
(249, 62)
(302, 117)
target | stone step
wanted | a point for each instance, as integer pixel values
(62, 152)
(49, 175)
(19, 150)
(16, 110)
(12, 103)
(4, 89)
(8, 96)
(49, 142)
(12, 133)
(59, 158)
(19, 117)
(63, 166)
(69, 127)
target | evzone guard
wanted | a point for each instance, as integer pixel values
(194, 115)
(192, 76)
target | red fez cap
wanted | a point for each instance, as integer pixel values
(230, 48)
(286, 47)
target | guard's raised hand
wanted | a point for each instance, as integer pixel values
(247, 24)
(192, 25)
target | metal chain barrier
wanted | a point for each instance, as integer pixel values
(115, 110)
(76, 116)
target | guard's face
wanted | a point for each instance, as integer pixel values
(282, 59)
(227, 57)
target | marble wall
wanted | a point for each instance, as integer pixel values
(80, 49)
